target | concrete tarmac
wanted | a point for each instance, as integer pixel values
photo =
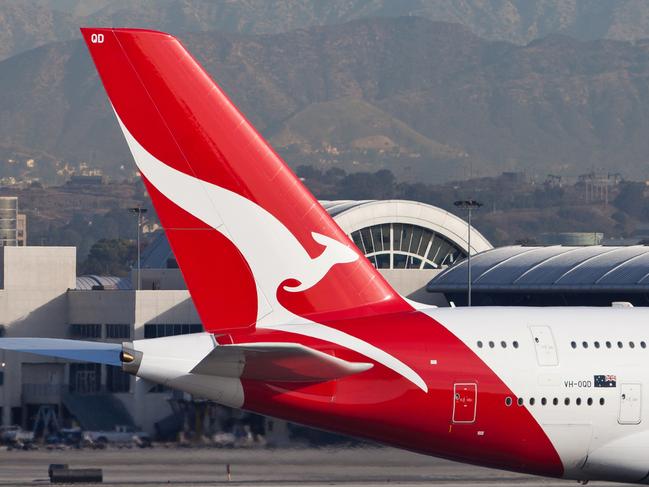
(310, 467)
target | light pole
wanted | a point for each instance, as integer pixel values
(139, 211)
(469, 206)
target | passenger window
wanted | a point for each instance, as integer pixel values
(608, 344)
(515, 344)
(508, 401)
(596, 344)
(643, 344)
(573, 344)
(631, 344)
(555, 401)
(590, 401)
(479, 344)
(544, 401)
(519, 401)
(503, 344)
(578, 401)
(566, 401)
(491, 344)
(532, 401)
(584, 344)
(601, 401)
(620, 344)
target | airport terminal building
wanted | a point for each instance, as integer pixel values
(41, 295)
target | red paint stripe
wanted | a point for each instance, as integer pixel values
(383, 406)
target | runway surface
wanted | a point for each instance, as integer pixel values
(270, 467)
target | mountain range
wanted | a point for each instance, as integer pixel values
(429, 100)
(27, 24)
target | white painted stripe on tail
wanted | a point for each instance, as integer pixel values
(273, 261)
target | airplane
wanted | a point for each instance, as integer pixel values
(300, 326)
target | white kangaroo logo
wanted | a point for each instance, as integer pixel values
(334, 253)
(280, 257)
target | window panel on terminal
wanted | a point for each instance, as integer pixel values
(85, 331)
(377, 238)
(118, 331)
(425, 242)
(417, 233)
(356, 238)
(399, 261)
(158, 330)
(444, 250)
(366, 235)
(406, 238)
(432, 251)
(397, 230)
(382, 261)
(413, 262)
(385, 236)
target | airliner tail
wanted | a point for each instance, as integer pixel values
(254, 246)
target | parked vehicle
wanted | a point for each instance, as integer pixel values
(66, 436)
(121, 436)
(15, 435)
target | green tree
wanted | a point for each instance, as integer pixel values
(110, 257)
(632, 200)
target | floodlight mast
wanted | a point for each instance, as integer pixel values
(139, 211)
(469, 206)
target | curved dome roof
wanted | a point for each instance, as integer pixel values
(353, 215)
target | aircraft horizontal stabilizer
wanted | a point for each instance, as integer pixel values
(83, 351)
(281, 362)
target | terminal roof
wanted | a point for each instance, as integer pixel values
(554, 268)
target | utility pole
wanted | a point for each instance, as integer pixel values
(469, 206)
(139, 211)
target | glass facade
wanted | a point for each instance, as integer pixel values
(118, 331)
(85, 331)
(165, 330)
(406, 246)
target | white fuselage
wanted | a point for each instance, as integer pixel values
(599, 432)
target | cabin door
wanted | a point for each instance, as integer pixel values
(630, 404)
(546, 350)
(465, 402)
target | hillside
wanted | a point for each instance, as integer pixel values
(31, 23)
(430, 101)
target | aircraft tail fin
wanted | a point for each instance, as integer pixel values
(253, 244)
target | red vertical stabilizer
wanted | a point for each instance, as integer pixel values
(253, 244)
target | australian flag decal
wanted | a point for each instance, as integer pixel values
(605, 381)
